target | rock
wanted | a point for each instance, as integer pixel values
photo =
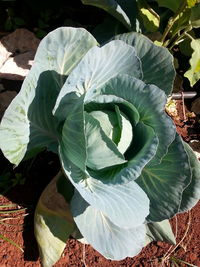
(17, 52)
(195, 145)
(16, 68)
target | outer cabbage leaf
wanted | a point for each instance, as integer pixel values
(110, 240)
(157, 62)
(161, 231)
(125, 205)
(98, 66)
(57, 54)
(191, 194)
(164, 183)
(53, 221)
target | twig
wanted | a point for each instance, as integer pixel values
(166, 257)
(84, 256)
(183, 103)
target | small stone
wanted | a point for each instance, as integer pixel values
(193, 257)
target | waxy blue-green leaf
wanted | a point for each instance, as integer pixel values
(160, 231)
(105, 236)
(53, 223)
(149, 101)
(191, 194)
(99, 65)
(125, 205)
(164, 183)
(101, 151)
(73, 141)
(157, 62)
(29, 117)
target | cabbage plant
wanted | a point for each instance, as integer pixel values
(101, 108)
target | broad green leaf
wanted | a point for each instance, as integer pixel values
(113, 8)
(164, 183)
(57, 54)
(101, 151)
(171, 4)
(191, 194)
(125, 205)
(160, 231)
(193, 74)
(106, 237)
(182, 21)
(149, 101)
(73, 142)
(191, 3)
(151, 19)
(53, 224)
(99, 65)
(195, 16)
(156, 60)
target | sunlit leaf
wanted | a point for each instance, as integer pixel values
(151, 19)
(193, 74)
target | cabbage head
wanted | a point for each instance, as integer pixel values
(101, 108)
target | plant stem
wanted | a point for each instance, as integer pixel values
(178, 40)
(172, 21)
(189, 36)
(182, 37)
